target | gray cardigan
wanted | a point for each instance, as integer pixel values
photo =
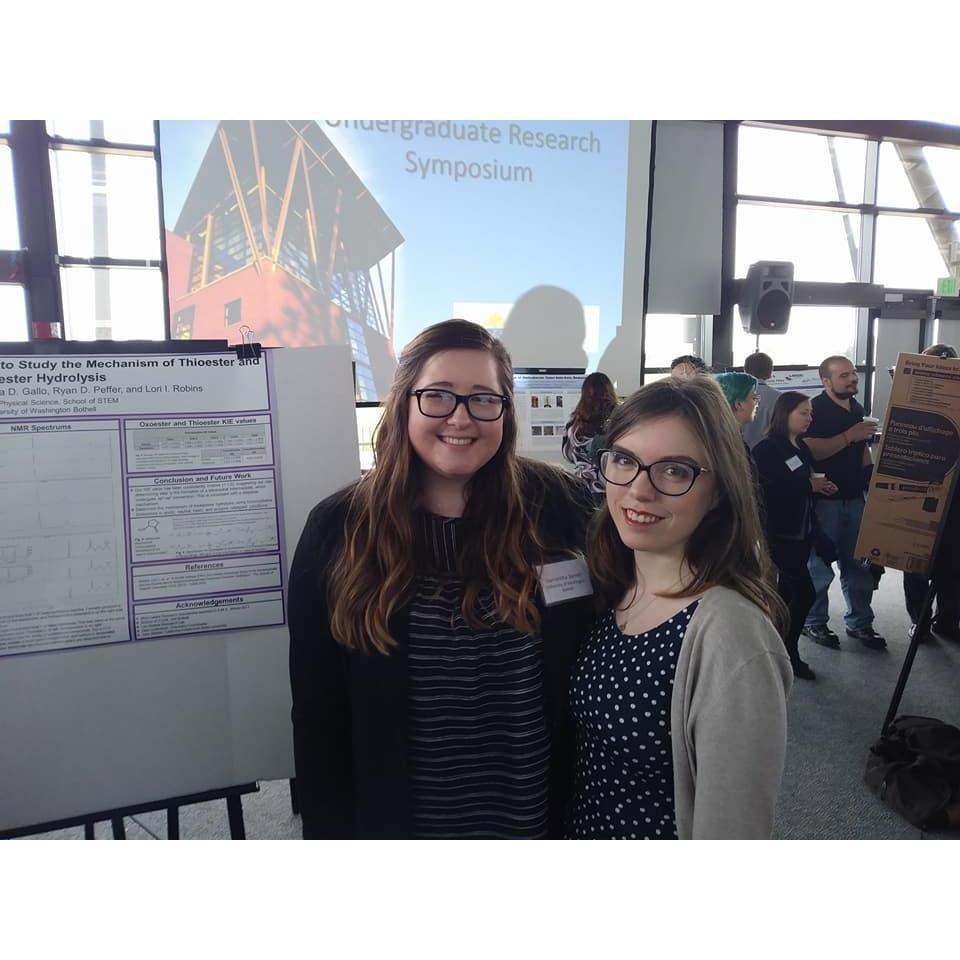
(728, 720)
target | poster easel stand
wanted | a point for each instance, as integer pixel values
(921, 629)
(944, 575)
(172, 806)
(245, 351)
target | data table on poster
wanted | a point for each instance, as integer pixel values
(139, 499)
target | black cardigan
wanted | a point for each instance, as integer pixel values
(786, 493)
(350, 709)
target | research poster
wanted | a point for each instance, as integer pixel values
(139, 499)
(803, 381)
(544, 403)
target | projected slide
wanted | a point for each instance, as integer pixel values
(366, 231)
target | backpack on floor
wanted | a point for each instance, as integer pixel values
(915, 770)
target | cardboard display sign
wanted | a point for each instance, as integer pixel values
(915, 476)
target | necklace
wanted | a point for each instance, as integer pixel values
(632, 613)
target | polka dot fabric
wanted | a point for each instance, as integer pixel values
(620, 696)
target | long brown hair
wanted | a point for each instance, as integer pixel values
(727, 548)
(597, 401)
(374, 575)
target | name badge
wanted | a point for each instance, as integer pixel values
(565, 580)
(794, 463)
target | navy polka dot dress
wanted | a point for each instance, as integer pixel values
(620, 696)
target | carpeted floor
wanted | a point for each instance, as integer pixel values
(832, 722)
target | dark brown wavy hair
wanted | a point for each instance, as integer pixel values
(374, 575)
(597, 401)
(728, 547)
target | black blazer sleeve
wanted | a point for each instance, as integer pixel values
(321, 709)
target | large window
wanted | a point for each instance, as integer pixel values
(9, 234)
(82, 199)
(842, 209)
(908, 253)
(668, 335)
(13, 310)
(799, 198)
(814, 333)
(103, 178)
(915, 248)
(800, 166)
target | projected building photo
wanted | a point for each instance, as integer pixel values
(280, 235)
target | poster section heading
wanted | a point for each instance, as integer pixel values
(513, 135)
(126, 385)
(136, 526)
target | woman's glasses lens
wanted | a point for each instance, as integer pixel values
(442, 403)
(672, 477)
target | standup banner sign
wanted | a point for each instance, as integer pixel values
(915, 475)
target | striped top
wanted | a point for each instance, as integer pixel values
(479, 745)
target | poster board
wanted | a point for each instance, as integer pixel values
(803, 381)
(544, 400)
(140, 713)
(915, 475)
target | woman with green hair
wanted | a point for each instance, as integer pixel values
(740, 389)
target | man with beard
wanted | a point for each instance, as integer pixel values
(838, 441)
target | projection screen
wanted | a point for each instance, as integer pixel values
(364, 232)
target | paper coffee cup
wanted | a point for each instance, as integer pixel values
(873, 421)
(819, 476)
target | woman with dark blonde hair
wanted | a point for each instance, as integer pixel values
(679, 694)
(429, 652)
(598, 398)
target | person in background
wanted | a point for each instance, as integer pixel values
(838, 441)
(687, 366)
(740, 390)
(679, 693)
(429, 671)
(784, 465)
(584, 429)
(946, 620)
(760, 365)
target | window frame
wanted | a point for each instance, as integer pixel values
(31, 146)
(875, 133)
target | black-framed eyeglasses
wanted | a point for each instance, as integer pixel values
(673, 478)
(442, 403)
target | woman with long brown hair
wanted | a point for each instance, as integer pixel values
(679, 694)
(598, 398)
(432, 626)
